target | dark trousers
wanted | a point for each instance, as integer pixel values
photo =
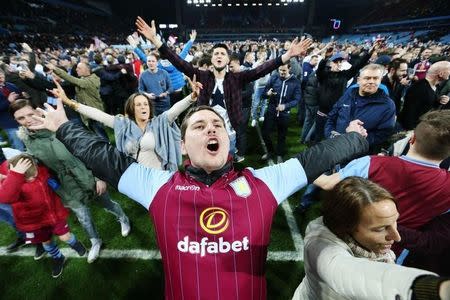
(320, 128)
(281, 122)
(241, 139)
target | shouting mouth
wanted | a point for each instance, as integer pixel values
(213, 145)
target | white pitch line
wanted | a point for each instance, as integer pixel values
(142, 254)
(296, 255)
(292, 223)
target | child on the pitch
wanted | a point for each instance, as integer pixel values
(38, 210)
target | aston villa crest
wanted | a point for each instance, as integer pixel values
(241, 187)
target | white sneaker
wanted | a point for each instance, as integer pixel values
(125, 226)
(95, 250)
(253, 124)
(261, 119)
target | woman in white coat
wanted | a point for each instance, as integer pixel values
(348, 251)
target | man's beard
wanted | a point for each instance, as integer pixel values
(219, 69)
(396, 78)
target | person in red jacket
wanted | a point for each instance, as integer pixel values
(38, 210)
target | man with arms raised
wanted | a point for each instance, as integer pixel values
(212, 222)
(222, 90)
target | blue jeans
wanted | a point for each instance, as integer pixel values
(7, 216)
(310, 118)
(83, 213)
(257, 101)
(241, 134)
(160, 106)
(16, 143)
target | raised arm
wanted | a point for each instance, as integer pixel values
(80, 82)
(105, 161)
(297, 48)
(150, 33)
(189, 44)
(182, 105)
(11, 187)
(326, 154)
(88, 111)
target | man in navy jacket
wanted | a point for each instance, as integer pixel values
(366, 107)
(284, 92)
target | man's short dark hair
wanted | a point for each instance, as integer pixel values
(395, 63)
(235, 57)
(221, 45)
(19, 104)
(192, 111)
(204, 60)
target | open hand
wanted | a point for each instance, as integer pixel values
(51, 118)
(193, 35)
(299, 48)
(22, 166)
(148, 31)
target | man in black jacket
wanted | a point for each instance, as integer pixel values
(421, 97)
(396, 81)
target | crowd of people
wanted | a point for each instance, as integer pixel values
(375, 118)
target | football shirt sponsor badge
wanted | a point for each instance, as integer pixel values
(241, 187)
(214, 220)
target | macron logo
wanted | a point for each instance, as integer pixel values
(187, 188)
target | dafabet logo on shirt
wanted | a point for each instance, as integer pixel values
(214, 220)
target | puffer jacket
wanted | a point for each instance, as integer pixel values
(333, 272)
(311, 92)
(77, 182)
(34, 203)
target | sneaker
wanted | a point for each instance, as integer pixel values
(95, 250)
(239, 159)
(279, 159)
(40, 252)
(265, 156)
(125, 226)
(79, 248)
(261, 119)
(16, 245)
(253, 123)
(58, 266)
